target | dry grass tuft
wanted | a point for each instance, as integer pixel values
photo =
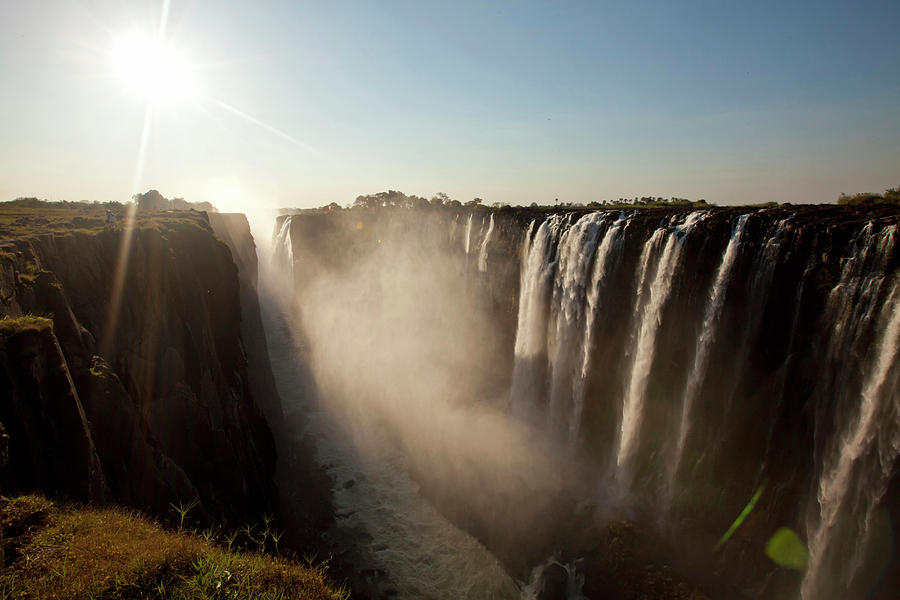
(114, 554)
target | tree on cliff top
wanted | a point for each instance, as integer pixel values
(153, 200)
(890, 196)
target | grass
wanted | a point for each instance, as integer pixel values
(25, 220)
(92, 553)
(12, 325)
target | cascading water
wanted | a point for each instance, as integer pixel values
(760, 286)
(482, 255)
(468, 237)
(284, 250)
(531, 334)
(576, 251)
(704, 343)
(607, 254)
(860, 462)
(650, 303)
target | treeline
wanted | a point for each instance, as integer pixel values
(650, 202)
(153, 200)
(149, 200)
(397, 199)
(890, 196)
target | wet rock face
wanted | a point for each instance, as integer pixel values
(153, 347)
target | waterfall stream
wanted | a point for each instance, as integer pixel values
(650, 303)
(482, 255)
(703, 345)
(860, 463)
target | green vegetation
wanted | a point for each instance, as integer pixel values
(890, 196)
(11, 325)
(649, 202)
(29, 217)
(153, 200)
(396, 199)
(86, 553)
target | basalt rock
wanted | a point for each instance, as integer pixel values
(150, 349)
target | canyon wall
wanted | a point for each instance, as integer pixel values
(140, 378)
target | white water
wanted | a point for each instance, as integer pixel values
(284, 251)
(531, 332)
(704, 343)
(574, 581)
(860, 464)
(605, 256)
(482, 255)
(760, 286)
(576, 251)
(468, 233)
(650, 303)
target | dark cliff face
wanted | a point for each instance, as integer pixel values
(152, 345)
(50, 434)
(234, 230)
(305, 497)
(792, 332)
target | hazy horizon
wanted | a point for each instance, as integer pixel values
(288, 105)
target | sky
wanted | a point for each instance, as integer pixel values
(306, 103)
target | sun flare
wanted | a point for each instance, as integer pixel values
(152, 68)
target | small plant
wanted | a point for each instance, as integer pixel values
(182, 510)
(276, 537)
(208, 534)
(229, 538)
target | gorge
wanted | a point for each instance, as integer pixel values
(553, 381)
(464, 402)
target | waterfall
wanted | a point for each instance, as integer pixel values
(858, 466)
(482, 255)
(576, 251)
(704, 343)
(649, 307)
(284, 250)
(686, 367)
(759, 287)
(531, 332)
(606, 254)
(468, 233)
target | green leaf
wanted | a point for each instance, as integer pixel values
(786, 549)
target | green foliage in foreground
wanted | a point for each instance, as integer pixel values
(88, 553)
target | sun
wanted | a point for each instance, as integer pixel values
(152, 68)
